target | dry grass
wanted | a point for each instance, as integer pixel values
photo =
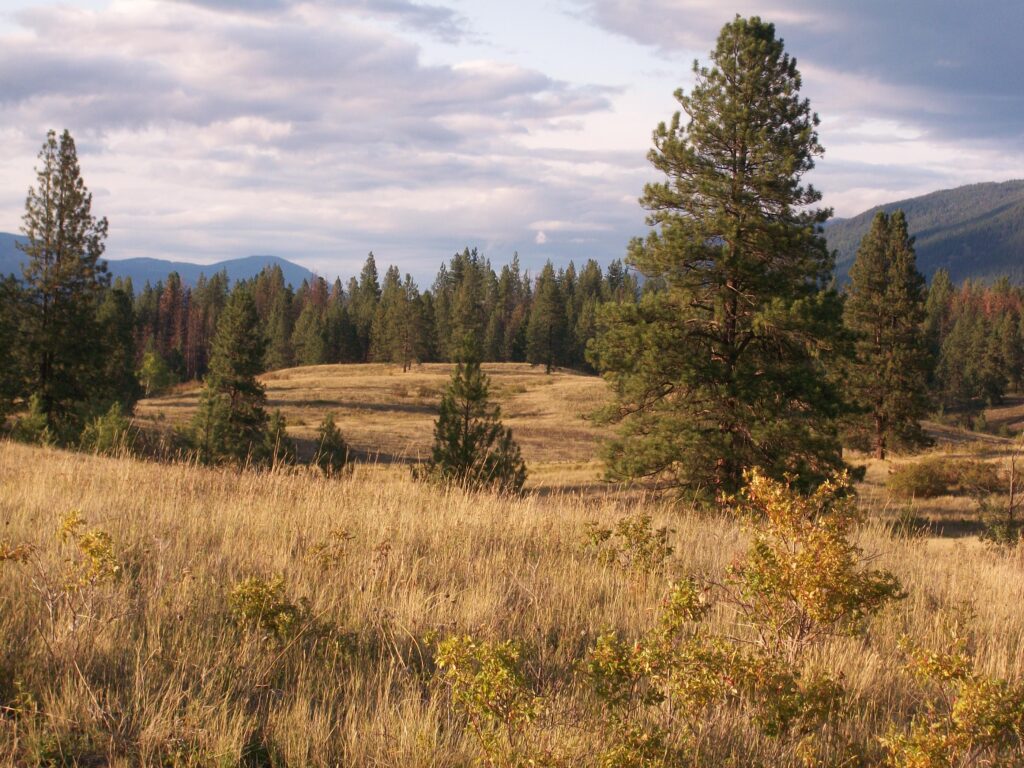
(154, 672)
(386, 415)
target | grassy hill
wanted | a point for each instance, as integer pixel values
(387, 416)
(972, 231)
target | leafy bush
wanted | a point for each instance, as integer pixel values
(488, 688)
(924, 479)
(800, 582)
(938, 476)
(262, 604)
(968, 718)
(32, 426)
(632, 545)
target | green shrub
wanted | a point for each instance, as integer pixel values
(111, 434)
(32, 426)
(939, 476)
(968, 718)
(924, 479)
(488, 688)
(261, 604)
(632, 545)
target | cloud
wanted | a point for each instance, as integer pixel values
(949, 68)
(309, 130)
(541, 238)
(435, 19)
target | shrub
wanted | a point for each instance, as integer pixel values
(632, 545)
(111, 434)
(154, 374)
(800, 582)
(488, 688)
(262, 604)
(968, 718)
(802, 579)
(924, 479)
(33, 427)
(938, 476)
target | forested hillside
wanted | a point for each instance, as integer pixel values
(975, 231)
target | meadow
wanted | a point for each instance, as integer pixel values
(128, 638)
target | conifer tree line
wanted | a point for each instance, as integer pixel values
(504, 315)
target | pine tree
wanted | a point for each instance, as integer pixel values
(365, 294)
(279, 333)
(546, 331)
(64, 280)
(11, 384)
(408, 334)
(331, 451)
(118, 382)
(231, 423)
(885, 310)
(722, 368)
(471, 447)
(278, 447)
(309, 339)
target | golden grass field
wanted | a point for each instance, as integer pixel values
(150, 669)
(387, 415)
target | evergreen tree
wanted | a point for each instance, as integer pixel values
(278, 448)
(118, 382)
(408, 334)
(885, 310)
(471, 447)
(279, 332)
(365, 295)
(64, 280)
(11, 384)
(309, 339)
(721, 368)
(387, 318)
(332, 451)
(546, 332)
(231, 423)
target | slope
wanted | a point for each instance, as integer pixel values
(974, 231)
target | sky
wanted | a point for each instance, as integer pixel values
(319, 130)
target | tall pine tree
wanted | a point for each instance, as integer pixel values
(64, 280)
(547, 329)
(885, 310)
(721, 369)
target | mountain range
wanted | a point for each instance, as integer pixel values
(152, 270)
(975, 231)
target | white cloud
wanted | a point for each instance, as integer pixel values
(541, 238)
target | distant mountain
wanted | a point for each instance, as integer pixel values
(973, 231)
(141, 270)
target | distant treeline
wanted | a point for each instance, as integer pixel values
(500, 315)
